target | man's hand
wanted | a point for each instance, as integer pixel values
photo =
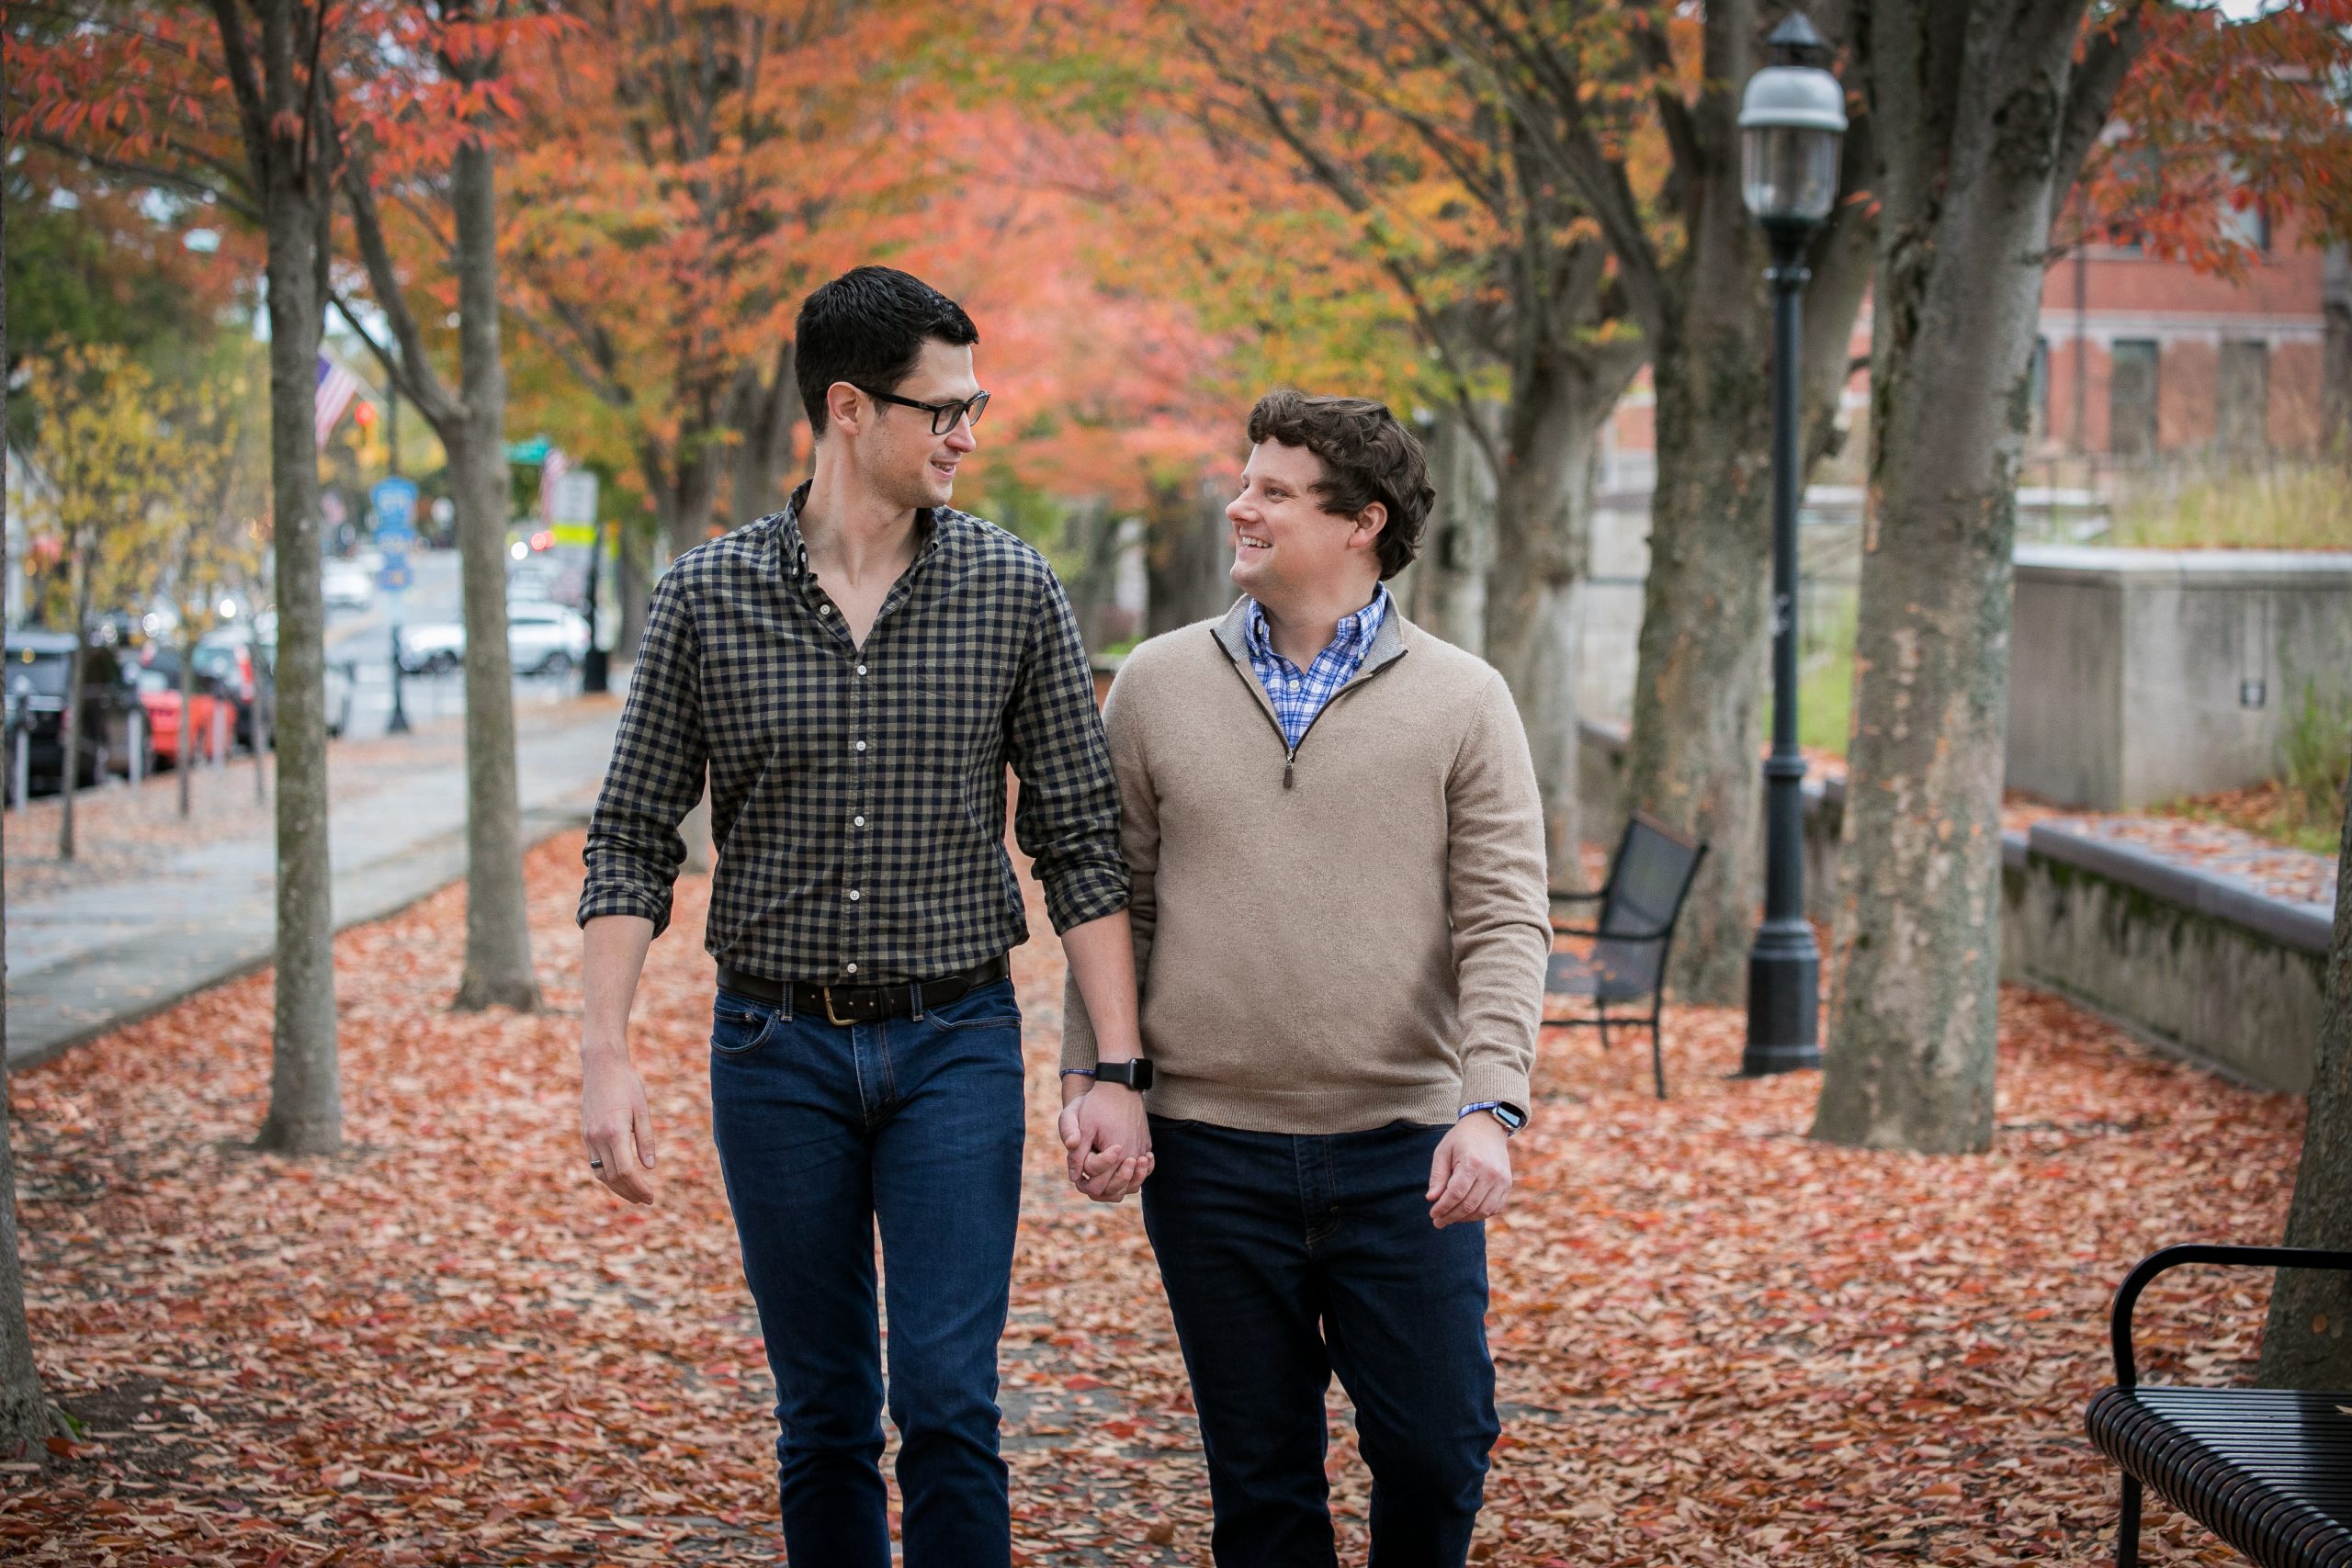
(1108, 1136)
(1470, 1177)
(616, 1123)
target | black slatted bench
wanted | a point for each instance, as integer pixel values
(2270, 1471)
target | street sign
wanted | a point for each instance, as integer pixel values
(530, 452)
(575, 498)
(394, 576)
(395, 502)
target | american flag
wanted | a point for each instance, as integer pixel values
(336, 388)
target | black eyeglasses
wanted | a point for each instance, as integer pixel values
(945, 417)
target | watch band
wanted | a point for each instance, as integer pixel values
(1135, 1074)
(1503, 1110)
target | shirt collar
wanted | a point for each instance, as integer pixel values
(792, 549)
(1352, 631)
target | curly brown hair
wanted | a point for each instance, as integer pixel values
(1367, 456)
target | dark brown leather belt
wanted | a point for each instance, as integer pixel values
(863, 1004)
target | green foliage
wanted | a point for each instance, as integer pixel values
(2276, 507)
(2315, 760)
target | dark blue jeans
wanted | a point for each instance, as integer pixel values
(822, 1131)
(1288, 1258)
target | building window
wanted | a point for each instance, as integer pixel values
(2243, 425)
(2132, 398)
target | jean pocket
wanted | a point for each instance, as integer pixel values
(986, 1006)
(738, 1028)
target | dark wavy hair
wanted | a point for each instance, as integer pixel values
(1367, 456)
(867, 327)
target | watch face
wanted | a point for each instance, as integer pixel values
(1510, 1116)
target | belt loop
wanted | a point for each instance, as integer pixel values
(914, 996)
(784, 1001)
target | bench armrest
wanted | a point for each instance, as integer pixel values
(1661, 935)
(2127, 1295)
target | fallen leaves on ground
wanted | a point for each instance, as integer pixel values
(2297, 876)
(1716, 1341)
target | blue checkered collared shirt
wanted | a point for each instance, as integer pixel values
(1299, 695)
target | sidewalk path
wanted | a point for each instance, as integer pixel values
(158, 908)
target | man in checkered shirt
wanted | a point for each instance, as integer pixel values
(853, 674)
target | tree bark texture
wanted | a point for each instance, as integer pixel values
(24, 1415)
(1694, 759)
(498, 939)
(1092, 533)
(1447, 588)
(634, 591)
(286, 148)
(1975, 108)
(1543, 539)
(1186, 553)
(2308, 1342)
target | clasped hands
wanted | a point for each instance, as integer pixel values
(1108, 1138)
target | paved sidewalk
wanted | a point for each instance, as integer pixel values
(101, 951)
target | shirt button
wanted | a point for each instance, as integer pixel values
(853, 895)
(824, 609)
(861, 668)
(860, 745)
(852, 968)
(857, 821)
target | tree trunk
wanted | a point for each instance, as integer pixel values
(1185, 557)
(305, 1085)
(2308, 1343)
(2335, 354)
(766, 414)
(24, 1415)
(69, 725)
(633, 592)
(1974, 112)
(498, 938)
(1448, 591)
(1092, 533)
(1543, 535)
(1694, 761)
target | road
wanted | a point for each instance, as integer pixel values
(363, 639)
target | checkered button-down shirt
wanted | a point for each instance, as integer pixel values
(857, 794)
(1299, 695)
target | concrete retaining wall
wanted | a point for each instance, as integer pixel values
(2140, 676)
(2202, 967)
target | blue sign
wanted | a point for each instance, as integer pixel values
(395, 502)
(393, 577)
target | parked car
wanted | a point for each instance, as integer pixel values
(253, 645)
(541, 640)
(348, 585)
(36, 663)
(156, 678)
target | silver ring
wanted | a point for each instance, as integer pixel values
(596, 1164)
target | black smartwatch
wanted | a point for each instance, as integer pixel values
(1135, 1074)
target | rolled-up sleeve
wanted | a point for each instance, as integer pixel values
(656, 775)
(1066, 821)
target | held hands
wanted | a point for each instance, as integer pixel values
(1109, 1140)
(1470, 1177)
(616, 1123)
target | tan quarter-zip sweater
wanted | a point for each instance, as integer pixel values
(1364, 945)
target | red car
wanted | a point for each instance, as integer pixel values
(158, 679)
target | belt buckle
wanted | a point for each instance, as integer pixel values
(831, 1016)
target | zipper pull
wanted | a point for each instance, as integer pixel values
(1286, 765)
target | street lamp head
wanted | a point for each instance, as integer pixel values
(1791, 121)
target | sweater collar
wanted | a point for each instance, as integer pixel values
(1387, 645)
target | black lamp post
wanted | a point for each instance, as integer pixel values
(1790, 119)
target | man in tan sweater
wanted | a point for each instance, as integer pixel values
(1340, 931)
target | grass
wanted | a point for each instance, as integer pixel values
(2304, 806)
(2277, 507)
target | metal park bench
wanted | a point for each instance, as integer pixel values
(2270, 1471)
(1649, 876)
